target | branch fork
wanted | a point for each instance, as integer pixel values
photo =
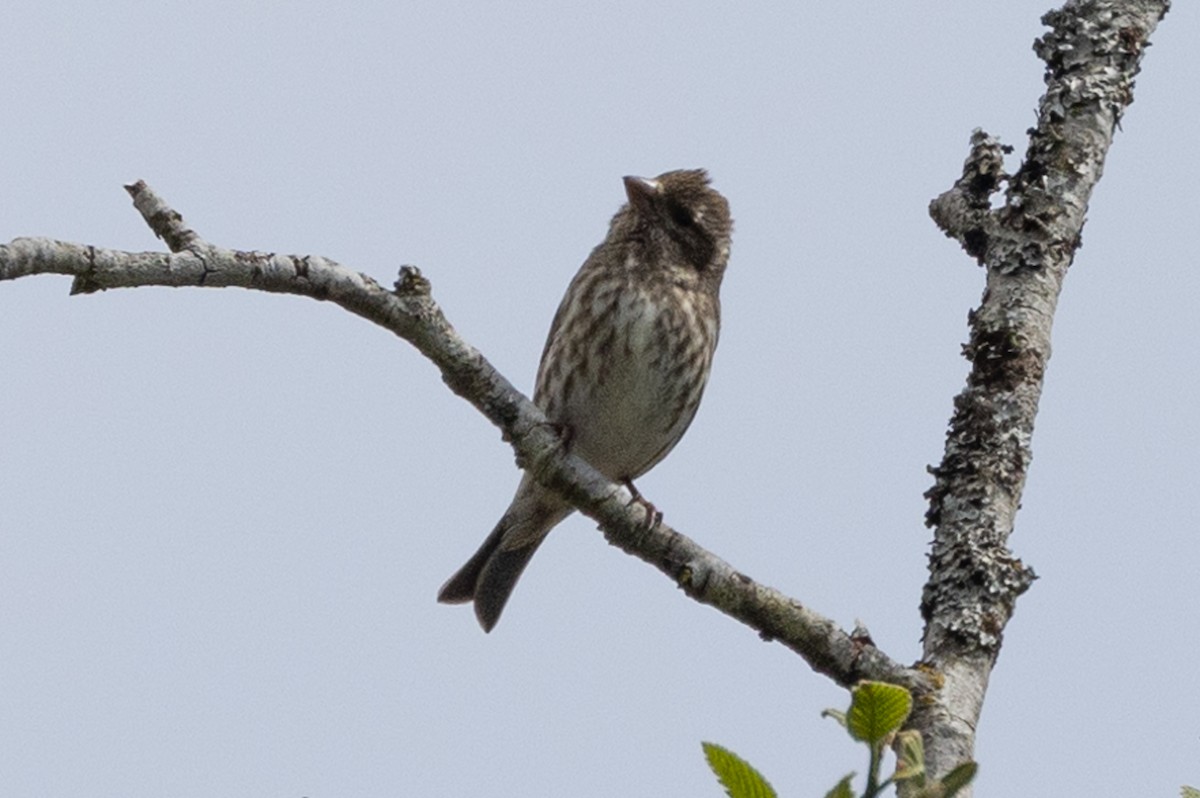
(1026, 245)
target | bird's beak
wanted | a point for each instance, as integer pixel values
(640, 190)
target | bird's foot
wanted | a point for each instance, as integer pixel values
(564, 432)
(653, 516)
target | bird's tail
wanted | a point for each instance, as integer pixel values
(488, 578)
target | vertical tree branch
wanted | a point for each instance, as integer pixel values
(1092, 54)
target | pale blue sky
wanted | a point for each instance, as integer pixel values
(224, 515)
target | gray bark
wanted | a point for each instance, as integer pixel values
(410, 312)
(1092, 53)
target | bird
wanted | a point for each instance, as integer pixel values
(625, 363)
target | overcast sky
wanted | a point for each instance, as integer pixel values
(224, 515)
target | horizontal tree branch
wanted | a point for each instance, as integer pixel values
(410, 312)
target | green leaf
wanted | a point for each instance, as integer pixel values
(958, 778)
(842, 790)
(736, 775)
(910, 757)
(877, 709)
(1189, 792)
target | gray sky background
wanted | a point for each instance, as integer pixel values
(224, 515)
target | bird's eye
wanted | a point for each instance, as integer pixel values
(680, 215)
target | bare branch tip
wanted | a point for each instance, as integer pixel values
(80, 285)
(860, 635)
(964, 212)
(411, 282)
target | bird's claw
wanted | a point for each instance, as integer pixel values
(653, 516)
